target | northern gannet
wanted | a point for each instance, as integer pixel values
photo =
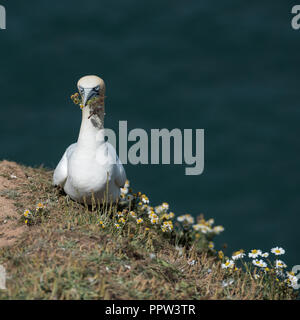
(91, 165)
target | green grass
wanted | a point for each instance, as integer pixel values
(66, 254)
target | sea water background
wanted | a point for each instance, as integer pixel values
(228, 67)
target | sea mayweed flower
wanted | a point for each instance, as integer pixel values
(210, 221)
(165, 205)
(221, 254)
(218, 229)
(202, 227)
(159, 209)
(211, 245)
(259, 263)
(145, 199)
(254, 253)
(238, 255)
(280, 264)
(278, 251)
(228, 264)
(171, 215)
(186, 218)
(167, 226)
(139, 220)
(154, 220)
(101, 223)
(150, 210)
(265, 255)
(122, 220)
(27, 213)
(132, 214)
(292, 282)
(40, 206)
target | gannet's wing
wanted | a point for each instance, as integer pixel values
(119, 172)
(61, 171)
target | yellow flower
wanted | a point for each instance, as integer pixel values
(221, 254)
(171, 215)
(211, 245)
(102, 224)
(167, 226)
(117, 226)
(27, 213)
(26, 221)
(147, 229)
(122, 220)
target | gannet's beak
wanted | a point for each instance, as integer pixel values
(87, 95)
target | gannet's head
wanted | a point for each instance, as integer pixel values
(89, 87)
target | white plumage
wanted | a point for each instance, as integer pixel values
(91, 165)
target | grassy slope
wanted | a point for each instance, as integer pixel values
(69, 256)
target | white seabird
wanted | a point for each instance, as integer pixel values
(91, 166)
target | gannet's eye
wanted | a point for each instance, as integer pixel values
(81, 90)
(97, 88)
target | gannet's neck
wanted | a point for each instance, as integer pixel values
(91, 133)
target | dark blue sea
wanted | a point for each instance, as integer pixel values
(228, 67)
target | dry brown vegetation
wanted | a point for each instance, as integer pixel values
(67, 255)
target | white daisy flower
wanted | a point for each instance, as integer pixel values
(218, 229)
(238, 255)
(139, 220)
(278, 251)
(254, 253)
(167, 226)
(280, 264)
(228, 264)
(292, 280)
(132, 214)
(259, 263)
(265, 255)
(145, 199)
(27, 213)
(202, 228)
(210, 222)
(165, 205)
(159, 209)
(186, 218)
(154, 220)
(171, 215)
